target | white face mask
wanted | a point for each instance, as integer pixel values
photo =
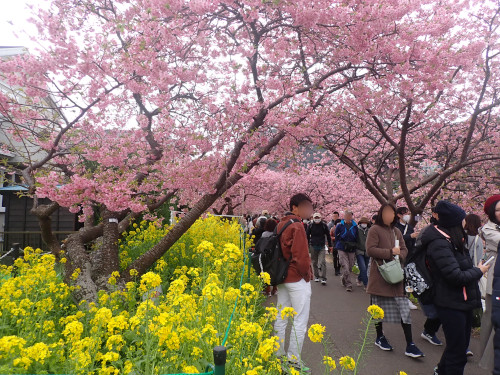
(317, 221)
(364, 226)
(306, 221)
(406, 218)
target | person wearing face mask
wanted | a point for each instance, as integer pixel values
(346, 237)
(409, 234)
(317, 235)
(455, 284)
(361, 258)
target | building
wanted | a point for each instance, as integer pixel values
(17, 224)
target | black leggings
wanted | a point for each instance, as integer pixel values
(406, 330)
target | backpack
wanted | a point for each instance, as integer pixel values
(268, 256)
(418, 275)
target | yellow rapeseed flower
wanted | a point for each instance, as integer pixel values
(133, 272)
(268, 347)
(149, 280)
(39, 352)
(329, 362)
(347, 362)
(288, 312)
(376, 312)
(316, 332)
(73, 331)
(190, 370)
(265, 277)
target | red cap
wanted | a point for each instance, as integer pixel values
(490, 201)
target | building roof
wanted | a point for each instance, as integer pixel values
(13, 188)
(6, 51)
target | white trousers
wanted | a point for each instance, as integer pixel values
(298, 296)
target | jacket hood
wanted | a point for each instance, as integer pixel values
(290, 217)
(353, 223)
(430, 234)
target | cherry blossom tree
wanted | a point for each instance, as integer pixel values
(132, 103)
(414, 140)
(331, 188)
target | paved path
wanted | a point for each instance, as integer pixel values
(342, 314)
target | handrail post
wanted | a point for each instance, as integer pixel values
(220, 355)
(16, 248)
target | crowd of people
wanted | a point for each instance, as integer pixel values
(458, 251)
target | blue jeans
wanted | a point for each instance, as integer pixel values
(363, 267)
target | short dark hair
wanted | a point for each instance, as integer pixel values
(472, 224)
(401, 210)
(270, 225)
(380, 221)
(298, 199)
(491, 213)
(374, 217)
(336, 213)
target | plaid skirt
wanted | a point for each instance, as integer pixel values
(395, 308)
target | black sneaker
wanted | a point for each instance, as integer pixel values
(383, 344)
(413, 352)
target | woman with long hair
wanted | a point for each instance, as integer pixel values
(385, 242)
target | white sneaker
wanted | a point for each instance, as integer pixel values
(323, 282)
(412, 306)
(317, 280)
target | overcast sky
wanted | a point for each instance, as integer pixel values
(13, 17)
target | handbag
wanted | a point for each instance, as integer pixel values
(391, 271)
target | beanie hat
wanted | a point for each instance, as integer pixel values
(490, 202)
(450, 215)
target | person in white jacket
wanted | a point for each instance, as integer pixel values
(490, 233)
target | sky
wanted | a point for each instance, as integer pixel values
(13, 20)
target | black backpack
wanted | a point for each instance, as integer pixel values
(269, 258)
(418, 276)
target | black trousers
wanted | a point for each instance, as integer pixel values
(457, 327)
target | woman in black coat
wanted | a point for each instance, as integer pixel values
(455, 283)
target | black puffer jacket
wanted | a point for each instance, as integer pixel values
(455, 278)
